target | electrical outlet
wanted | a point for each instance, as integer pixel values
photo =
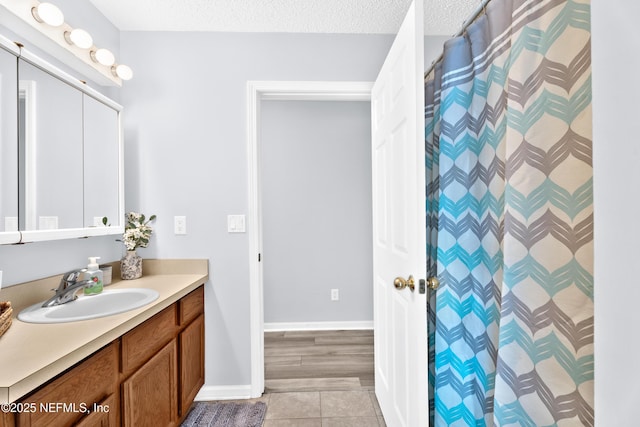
(335, 294)
(180, 225)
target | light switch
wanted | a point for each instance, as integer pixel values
(236, 224)
(180, 224)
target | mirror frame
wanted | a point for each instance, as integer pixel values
(24, 236)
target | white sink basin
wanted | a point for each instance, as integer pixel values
(107, 303)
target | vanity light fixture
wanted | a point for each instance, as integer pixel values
(47, 13)
(79, 37)
(103, 56)
(75, 40)
(122, 71)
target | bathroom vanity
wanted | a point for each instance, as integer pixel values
(141, 367)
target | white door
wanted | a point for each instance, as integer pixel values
(399, 235)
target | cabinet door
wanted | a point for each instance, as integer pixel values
(7, 419)
(191, 363)
(150, 394)
(104, 414)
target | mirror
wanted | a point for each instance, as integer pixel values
(60, 154)
(50, 135)
(101, 163)
(8, 143)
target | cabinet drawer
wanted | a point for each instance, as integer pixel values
(79, 388)
(139, 344)
(191, 306)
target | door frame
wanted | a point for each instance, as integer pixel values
(258, 91)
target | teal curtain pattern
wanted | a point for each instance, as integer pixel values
(432, 157)
(510, 219)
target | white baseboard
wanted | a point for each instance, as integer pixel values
(233, 392)
(317, 326)
(228, 392)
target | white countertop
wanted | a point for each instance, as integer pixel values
(31, 354)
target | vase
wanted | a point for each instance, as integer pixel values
(131, 266)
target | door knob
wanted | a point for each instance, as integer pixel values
(433, 283)
(401, 283)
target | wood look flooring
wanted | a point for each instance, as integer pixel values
(318, 361)
(319, 379)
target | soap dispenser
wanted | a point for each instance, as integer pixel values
(93, 274)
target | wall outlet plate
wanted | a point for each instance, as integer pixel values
(180, 225)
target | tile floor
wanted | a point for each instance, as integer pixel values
(320, 379)
(351, 408)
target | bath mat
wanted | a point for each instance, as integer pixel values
(226, 414)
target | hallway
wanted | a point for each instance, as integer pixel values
(320, 378)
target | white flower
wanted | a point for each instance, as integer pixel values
(137, 232)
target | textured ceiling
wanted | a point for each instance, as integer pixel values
(442, 17)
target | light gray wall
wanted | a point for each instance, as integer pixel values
(617, 210)
(433, 49)
(186, 148)
(316, 210)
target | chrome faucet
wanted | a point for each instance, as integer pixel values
(66, 291)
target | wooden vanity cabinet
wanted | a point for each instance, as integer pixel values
(71, 396)
(147, 377)
(150, 372)
(160, 391)
(191, 347)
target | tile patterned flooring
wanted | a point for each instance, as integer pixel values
(349, 408)
(320, 379)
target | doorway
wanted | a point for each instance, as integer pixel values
(316, 214)
(256, 93)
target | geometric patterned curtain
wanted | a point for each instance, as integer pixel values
(510, 219)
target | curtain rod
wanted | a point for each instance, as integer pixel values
(476, 13)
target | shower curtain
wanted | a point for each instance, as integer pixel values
(510, 219)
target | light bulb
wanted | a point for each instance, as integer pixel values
(123, 71)
(103, 56)
(79, 37)
(48, 13)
